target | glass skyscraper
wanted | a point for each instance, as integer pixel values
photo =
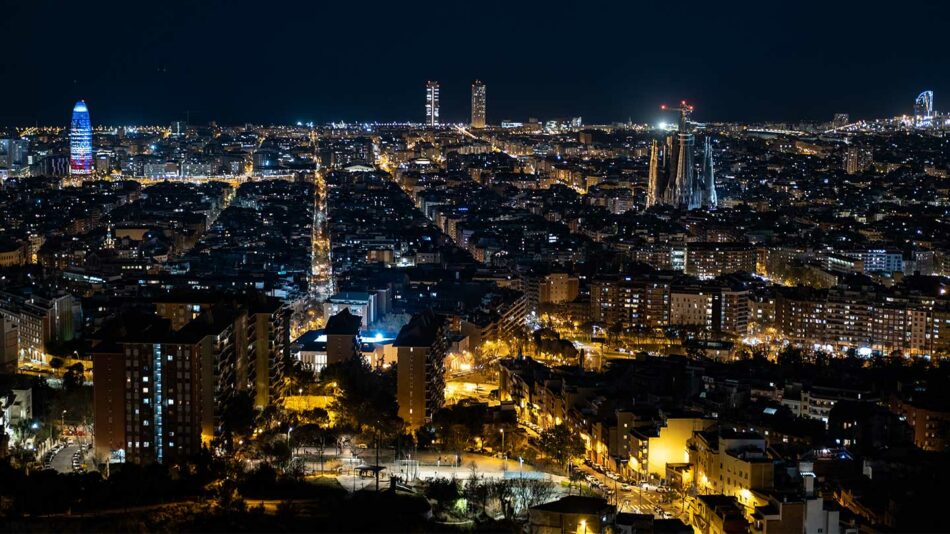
(80, 140)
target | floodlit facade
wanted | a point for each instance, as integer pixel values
(80, 140)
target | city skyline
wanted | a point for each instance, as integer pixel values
(788, 66)
(920, 113)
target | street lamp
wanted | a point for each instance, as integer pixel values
(503, 455)
(289, 430)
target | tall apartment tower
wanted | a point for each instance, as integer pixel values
(432, 103)
(165, 378)
(478, 104)
(420, 373)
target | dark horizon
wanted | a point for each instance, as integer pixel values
(232, 62)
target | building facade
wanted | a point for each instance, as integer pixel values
(421, 347)
(160, 392)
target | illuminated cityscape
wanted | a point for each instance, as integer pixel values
(667, 285)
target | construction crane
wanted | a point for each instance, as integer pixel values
(684, 109)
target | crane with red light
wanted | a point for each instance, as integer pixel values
(684, 109)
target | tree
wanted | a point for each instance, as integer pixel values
(445, 491)
(501, 490)
(367, 399)
(424, 437)
(791, 356)
(560, 444)
(296, 378)
(277, 452)
(575, 477)
(73, 377)
(457, 425)
(532, 492)
(316, 416)
(476, 492)
(237, 420)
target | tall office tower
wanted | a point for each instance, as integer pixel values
(80, 140)
(673, 178)
(478, 104)
(924, 109)
(420, 371)
(432, 103)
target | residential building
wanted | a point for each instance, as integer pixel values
(421, 348)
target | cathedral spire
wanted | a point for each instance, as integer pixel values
(653, 193)
(709, 178)
(679, 181)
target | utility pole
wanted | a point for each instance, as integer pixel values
(377, 460)
(322, 448)
(503, 454)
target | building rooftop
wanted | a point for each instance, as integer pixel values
(343, 324)
(421, 331)
(574, 504)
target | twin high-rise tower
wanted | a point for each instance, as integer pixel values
(673, 178)
(432, 103)
(478, 104)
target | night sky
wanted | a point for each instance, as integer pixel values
(280, 61)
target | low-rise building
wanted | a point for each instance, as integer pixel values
(573, 514)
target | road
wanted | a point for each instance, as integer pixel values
(62, 462)
(425, 465)
(636, 499)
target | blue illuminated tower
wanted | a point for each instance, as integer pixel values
(80, 140)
